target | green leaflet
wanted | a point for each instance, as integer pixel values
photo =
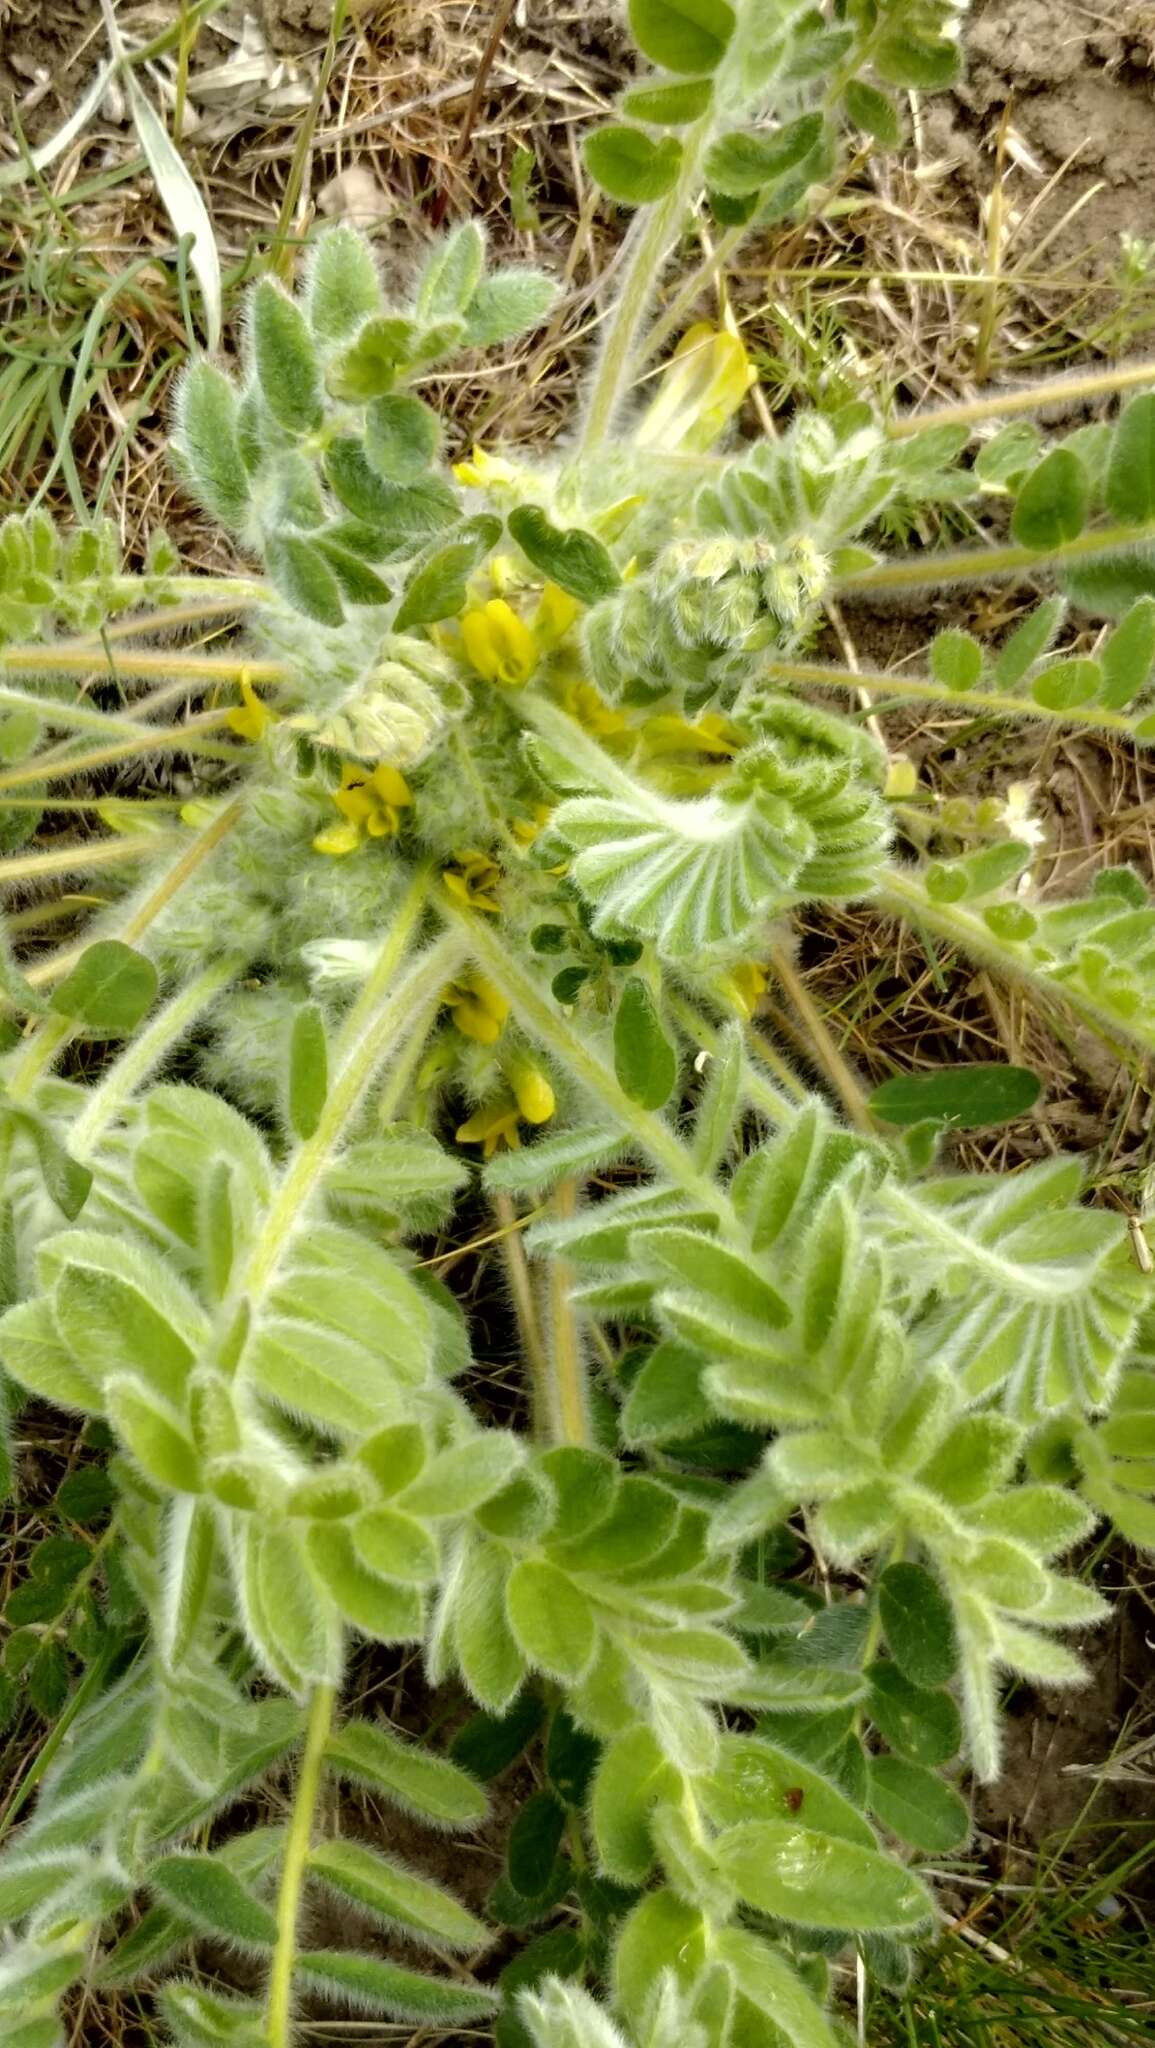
(797, 1873)
(342, 286)
(312, 1371)
(491, 1660)
(629, 165)
(399, 1994)
(206, 1893)
(381, 1608)
(684, 35)
(916, 1620)
(575, 560)
(551, 1618)
(914, 1804)
(109, 989)
(631, 1779)
(754, 1780)
(396, 1894)
(644, 1060)
(308, 1070)
(430, 1786)
(284, 359)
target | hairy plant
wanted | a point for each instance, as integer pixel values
(498, 805)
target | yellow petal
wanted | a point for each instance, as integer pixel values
(555, 615)
(745, 984)
(390, 784)
(535, 1097)
(517, 648)
(476, 1022)
(705, 383)
(479, 645)
(901, 776)
(354, 803)
(338, 839)
(490, 996)
(251, 720)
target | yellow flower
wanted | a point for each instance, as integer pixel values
(554, 615)
(251, 719)
(499, 644)
(496, 1123)
(744, 984)
(525, 830)
(369, 800)
(532, 1092)
(592, 713)
(705, 383)
(711, 734)
(484, 470)
(472, 880)
(479, 1009)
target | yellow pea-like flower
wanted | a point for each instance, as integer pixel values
(472, 880)
(704, 384)
(499, 644)
(251, 719)
(532, 1092)
(744, 984)
(493, 1125)
(370, 801)
(479, 1009)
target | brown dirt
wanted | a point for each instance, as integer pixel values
(1083, 86)
(1055, 1739)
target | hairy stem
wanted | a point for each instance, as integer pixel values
(89, 853)
(1003, 704)
(975, 565)
(525, 1306)
(279, 2011)
(386, 1013)
(714, 262)
(826, 1053)
(185, 739)
(545, 1023)
(80, 716)
(904, 896)
(1026, 398)
(569, 1396)
(90, 657)
(145, 1053)
(652, 236)
(54, 1033)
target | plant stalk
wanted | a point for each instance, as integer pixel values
(56, 1031)
(145, 1053)
(568, 1392)
(653, 236)
(975, 565)
(520, 1280)
(279, 2012)
(651, 1135)
(1000, 703)
(82, 659)
(827, 1054)
(185, 739)
(373, 1030)
(903, 896)
(1026, 398)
